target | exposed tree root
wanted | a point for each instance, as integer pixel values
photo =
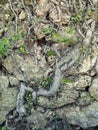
(70, 57)
(55, 85)
(20, 99)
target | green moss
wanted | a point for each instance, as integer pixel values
(64, 81)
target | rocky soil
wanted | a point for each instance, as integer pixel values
(48, 65)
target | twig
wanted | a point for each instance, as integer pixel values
(89, 33)
(59, 15)
(79, 32)
(27, 10)
(16, 18)
(91, 2)
(55, 2)
(22, 1)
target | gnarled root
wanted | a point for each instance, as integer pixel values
(20, 99)
(42, 92)
(55, 85)
(69, 58)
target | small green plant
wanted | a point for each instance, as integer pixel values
(61, 39)
(15, 37)
(4, 46)
(48, 30)
(22, 49)
(78, 16)
(29, 100)
(4, 128)
(29, 97)
(46, 82)
(69, 30)
(36, 19)
(84, 50)
(88, 13)
(6, 42)
(91, 14)
(51, 53)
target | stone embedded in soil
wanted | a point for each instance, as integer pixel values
(89, 61)
(25, 68)
(94, 89)
(22, 15)
(37, 120)
(7, 97)
(42, 8)
(13, 81)
(84, 117)
(85, 99)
